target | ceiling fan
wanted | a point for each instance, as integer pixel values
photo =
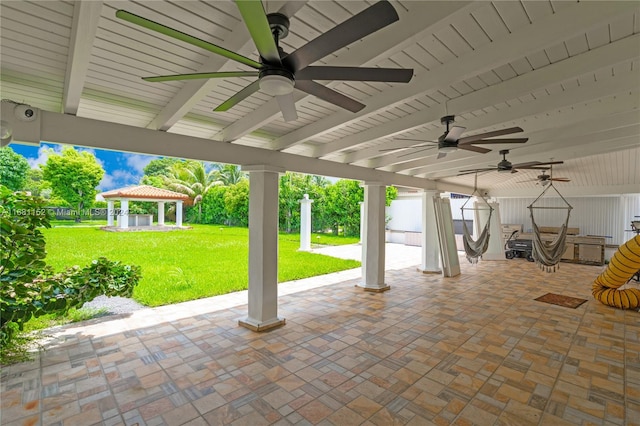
(279, 72)
(505, 166)
(451, 141)
(545, 178)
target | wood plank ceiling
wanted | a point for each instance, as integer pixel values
(567, 72)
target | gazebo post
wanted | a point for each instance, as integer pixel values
(179, 213)
(110, 212)
(160, 213)
(124, 213)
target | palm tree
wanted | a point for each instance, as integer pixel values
(229, 174)
(192, 179)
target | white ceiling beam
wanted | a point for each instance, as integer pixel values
(566, 23)
(578, 95)
(410, 28)
(68, 129)
(86, 15)
(592, 60)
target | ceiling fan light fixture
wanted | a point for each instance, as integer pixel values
(504, 170)
(276, 85)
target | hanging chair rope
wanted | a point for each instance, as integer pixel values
(547, 254)
(475, 249)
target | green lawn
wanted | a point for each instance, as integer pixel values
(184, 265)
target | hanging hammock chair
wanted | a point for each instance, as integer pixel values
(547, 254)
(475, 249)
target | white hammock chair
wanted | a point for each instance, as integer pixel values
(547, 254)
(475, 249)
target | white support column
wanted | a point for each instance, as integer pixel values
(361, 223)
(179, 213)
(263, 249)
(374, 242)
(305, 223)
(430, 244)
(160, 213)
(124, 214)
(110, 209)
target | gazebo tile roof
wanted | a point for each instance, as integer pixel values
(144, 192)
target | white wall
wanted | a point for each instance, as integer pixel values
(604, 216)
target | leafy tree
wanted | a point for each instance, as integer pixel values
(236, 202)
(192, 178)
(293, 186)
(28, 287)
(213, 206)
(13, 169)
(160, 166)
(157, 170)
(35, 183)
(74, 177)
(341, 206)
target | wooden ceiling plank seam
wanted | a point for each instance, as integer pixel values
(556, 53)
(489, 20)
(536, 9)
(512, 14)
(33, 34)
(599, 36)
(33, 45)
(118, 43)
(31, 14)
(470, 31)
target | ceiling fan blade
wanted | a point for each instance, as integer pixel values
(491, 134)
(358, 26)
(467, 172)
(454, 134)
(179, 35)
(288, 107)
(329, 95)
(415, 152)
(488, 141)
(474, 148)
(561, 179)
(199, 75)
(238, 97)
(256, 21)
(536, 165)
(415, 140)
(391, 75)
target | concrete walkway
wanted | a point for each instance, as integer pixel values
(398, 256)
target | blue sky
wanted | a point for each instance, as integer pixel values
(120, 168)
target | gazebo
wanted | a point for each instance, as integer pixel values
(141, 193)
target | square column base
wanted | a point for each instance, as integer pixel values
(375, 289)
(426, 271)
(261, 326)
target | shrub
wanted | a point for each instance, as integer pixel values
(28, 288)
